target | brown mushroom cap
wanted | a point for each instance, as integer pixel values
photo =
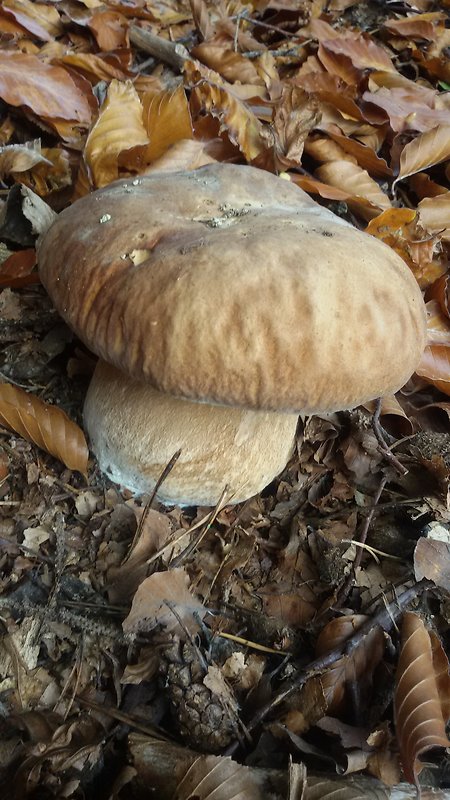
(135, 430)
(230, 285)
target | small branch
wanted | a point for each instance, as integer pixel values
(170, 52)
(383, 445)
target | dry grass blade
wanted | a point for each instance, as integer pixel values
(44, 425)
(422, 695)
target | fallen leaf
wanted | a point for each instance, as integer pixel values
(357, 182)
(424, 151)
(41, 20)
(49, 91)
(356, 668)
(435, 367)
(434, 215)
(118, 129)
(154, 600)
(432, 561)
(167, 121)
(422, 695)
(46, 426)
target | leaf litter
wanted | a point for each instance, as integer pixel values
(258, 650)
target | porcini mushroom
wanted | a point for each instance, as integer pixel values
(223, 302)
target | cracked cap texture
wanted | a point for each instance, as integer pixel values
(229, 285)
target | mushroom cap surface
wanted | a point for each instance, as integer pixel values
(135, 430)
(229, 285)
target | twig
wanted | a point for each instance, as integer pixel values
(171, 53)
(345, 589)
(383, 445)
(384, 619)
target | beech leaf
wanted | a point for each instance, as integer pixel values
(46, 426)
(434, 214)
(432, 561)
(422, 695)
(356, 181)
(435, 366)
(167, 121)
(154, 600)
(428, 149)
(118, 129)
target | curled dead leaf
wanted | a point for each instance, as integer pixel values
(46, 426)
(422, 695)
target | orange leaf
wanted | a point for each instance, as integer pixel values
(167, 121)
(110, 30)
(231, 65)
(118, 129)
(422, 695)
(46, 426)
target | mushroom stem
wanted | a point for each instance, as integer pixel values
(135, 430)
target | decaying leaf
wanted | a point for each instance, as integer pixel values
(422, 695)
(44, 425)
(155, 599)
(432, 561)
(349, 669)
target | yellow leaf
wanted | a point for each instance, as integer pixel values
(118, 129)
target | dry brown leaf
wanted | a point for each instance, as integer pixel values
(21, 157)
(118, 129)
(228, 63)
(422, 695)
(362, 51)
(357, 182)
(432, 561)
(434, 215)
(365, 156)
(52, 175)
(428, 149)
(216, 778)
(438, 323)
(167, 120)
(97, 67)
(440, 293)
(49, 91)
(408, 110)
(243, 127)
(124, 580)
(184, 155)
(110, 29)
(358, 667)
(41, 20)
(154, 600)
(46, 426)
(435, 367)
(419, 26)
(295, 115)
(401, 230)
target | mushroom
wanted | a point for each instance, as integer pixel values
(223, 302)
